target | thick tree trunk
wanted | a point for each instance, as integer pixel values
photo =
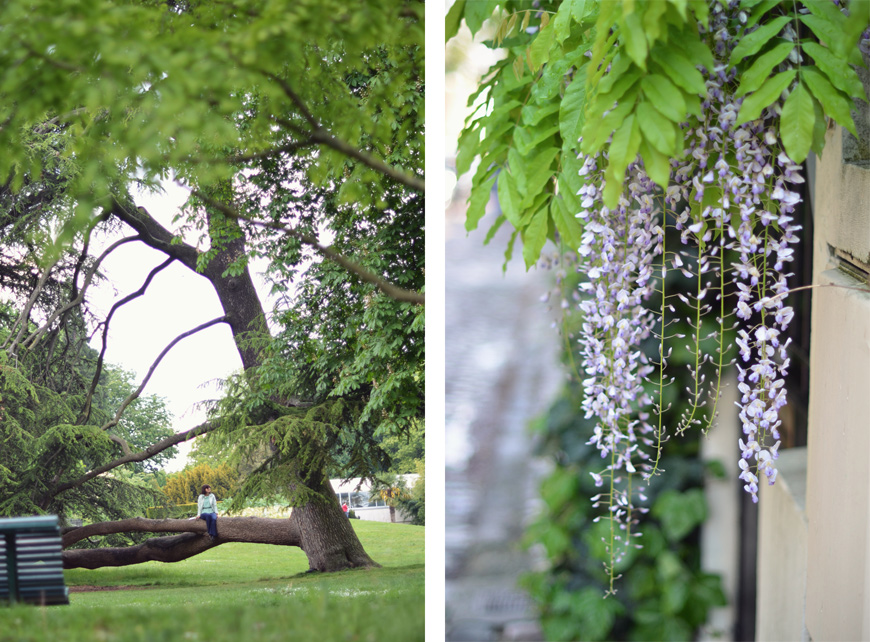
(324, 533)
(327, 536)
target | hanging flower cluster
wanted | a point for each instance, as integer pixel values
(617, 253)
(731, 198)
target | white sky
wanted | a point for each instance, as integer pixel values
(177, 300)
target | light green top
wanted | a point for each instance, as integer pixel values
(206, 504)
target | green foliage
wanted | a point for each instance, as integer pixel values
(167, 100)
(406, 450)
(589, 70)
(243, 592)
(186, 485)
(44, 446)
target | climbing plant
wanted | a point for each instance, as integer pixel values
(606, 123)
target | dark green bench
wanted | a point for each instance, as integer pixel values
(31, 567)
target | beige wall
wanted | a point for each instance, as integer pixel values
(838, 475)
(825, 551)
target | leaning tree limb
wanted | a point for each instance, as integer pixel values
(86, 409)
(33, 339)
(135, 394)
(192, 541)
(149, 452)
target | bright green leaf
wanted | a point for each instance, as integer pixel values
(839, 72)
(765, 96)
(760, 70)
(477, 11)
(657, 165)
(508, 197)
(834, 103)
(751, 44)
(665, 96)
(634, 39)
(568, 226)
(571, 111)
(534, 236)
(539, 51)
(453, 19)
(680, 69)
(796, 123)
(657, 129)
(624, 146)
(477, 203)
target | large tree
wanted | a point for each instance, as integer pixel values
(242, 103)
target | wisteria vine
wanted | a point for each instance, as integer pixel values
(730, 195)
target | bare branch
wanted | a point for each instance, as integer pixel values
(25, 313)
(148, 453)
(86, 409)
(134, 395)
(392, 291)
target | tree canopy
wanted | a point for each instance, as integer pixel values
(286, 129)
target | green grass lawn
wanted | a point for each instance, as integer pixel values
(243, 592)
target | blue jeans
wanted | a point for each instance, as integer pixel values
(210, 522)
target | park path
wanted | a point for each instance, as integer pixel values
(501, 371)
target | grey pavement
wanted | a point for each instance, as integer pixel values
(501, 371)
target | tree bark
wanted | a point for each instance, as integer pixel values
(327, 536)
(324, 533)
(192, 541)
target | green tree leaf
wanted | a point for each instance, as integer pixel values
(477, 11)
(453, 19)
(477, 203)
(665, 95)
(623, 147)
(759, 71)
(838, 71)
(657, 164)
(571, 111)
(751, 44)
(796, 123)
(509, 198)
(658, 131)
(534, 236)
(832, 101)
(539, 50)
(679, 69)
(634, 39)
(766, 95)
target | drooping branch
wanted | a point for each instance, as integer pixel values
(365, 275)
(135, 394)
(253, 530)
(149, 452)
(86, 410)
